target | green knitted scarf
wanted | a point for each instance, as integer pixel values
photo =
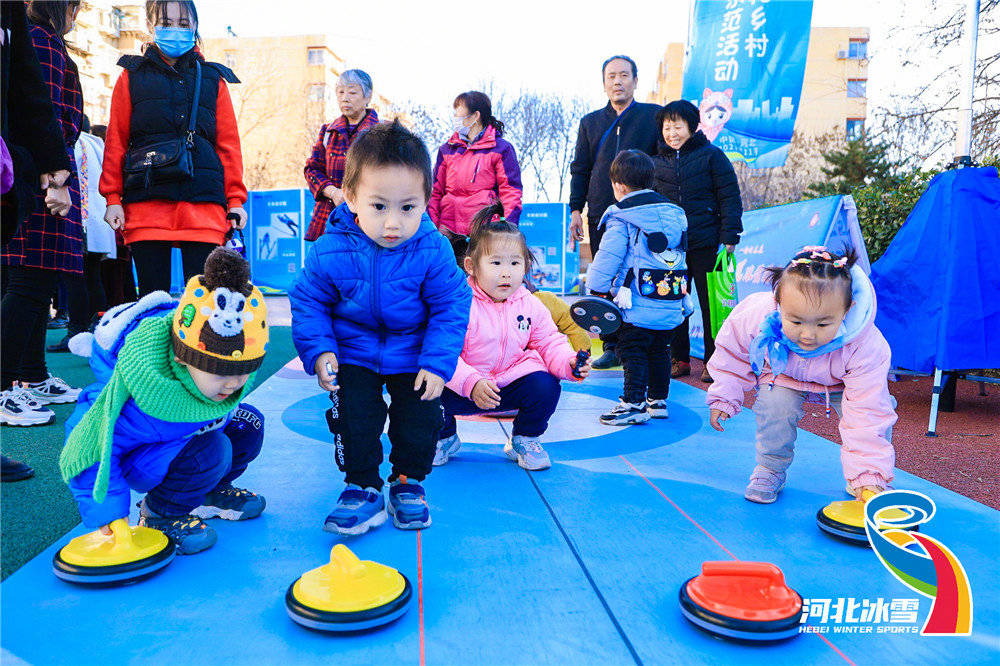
(161, 387)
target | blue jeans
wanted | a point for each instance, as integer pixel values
(210, 460)
(534, 396)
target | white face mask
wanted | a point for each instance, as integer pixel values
(458, 123)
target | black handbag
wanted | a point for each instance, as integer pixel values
(167, 161)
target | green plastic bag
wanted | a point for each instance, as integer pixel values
(722, 297)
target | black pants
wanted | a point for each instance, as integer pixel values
(611, 339)
(117, 278)
(152, 262)
(358, 417)
(700, 263)
(645, 358)
(84, 294)
(24, 318)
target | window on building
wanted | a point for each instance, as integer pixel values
(855, 128)
(857, 49)
(315, 56)
(230, 59)
(316, 92)
(857, 87)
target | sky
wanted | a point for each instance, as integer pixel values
(427, 52)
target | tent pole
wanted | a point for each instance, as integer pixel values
(963, 140)
(935, 397)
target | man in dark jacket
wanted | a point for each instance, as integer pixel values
(621, 125)
(699, 178)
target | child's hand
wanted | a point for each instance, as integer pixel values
(486, 394)
(326, 371)
(106, 530)
(583, 371)
(432, 383)
(717, 416)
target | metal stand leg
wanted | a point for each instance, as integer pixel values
(935, 397)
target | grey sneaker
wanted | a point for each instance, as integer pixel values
(657, 409)
(446, 448)
(764, 485)
(527, 452)
(19, 408)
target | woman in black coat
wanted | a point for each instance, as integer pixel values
(699, 178)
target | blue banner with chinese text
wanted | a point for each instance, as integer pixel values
(746, 61)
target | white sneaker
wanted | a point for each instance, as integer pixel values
(18, 408)
(53, 391)
(657, 409)
(527, 452)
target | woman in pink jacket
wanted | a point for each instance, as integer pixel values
(514, 356)
(813, 336)
(474, 168)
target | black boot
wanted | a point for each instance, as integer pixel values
(606, 361)
(15, 470)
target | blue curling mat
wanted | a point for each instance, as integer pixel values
(577, 564)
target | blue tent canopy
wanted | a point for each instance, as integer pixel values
(938, 283)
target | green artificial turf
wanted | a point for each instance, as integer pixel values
(37, 512)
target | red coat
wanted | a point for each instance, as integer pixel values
(468, 178)
(174, 221)
(325, 165)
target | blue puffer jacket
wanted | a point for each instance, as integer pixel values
(143, 446)
(643, 247)
(392, 310)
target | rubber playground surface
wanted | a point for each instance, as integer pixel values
(581, 563)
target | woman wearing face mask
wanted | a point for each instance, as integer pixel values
(325, 167)
(155, 206)
(474, 168)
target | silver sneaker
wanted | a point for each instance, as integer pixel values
(53, 391)
(657, 409)
(446, 448)
(19, 408)
(764, 485)
(626, 413)
(527, 452)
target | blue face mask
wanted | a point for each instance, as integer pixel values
(174, 42)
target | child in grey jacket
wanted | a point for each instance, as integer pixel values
(643, 252)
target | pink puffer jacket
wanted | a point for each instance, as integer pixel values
(859, 368)
(469, 178)
(506, 341)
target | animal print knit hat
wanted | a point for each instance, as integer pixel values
(220, 325)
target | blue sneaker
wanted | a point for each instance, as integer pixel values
(230, 503)
(190, 533)
(357, 511)
(407, 505)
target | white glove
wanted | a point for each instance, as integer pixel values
(624, 298)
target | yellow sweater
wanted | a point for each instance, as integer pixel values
(578, 338)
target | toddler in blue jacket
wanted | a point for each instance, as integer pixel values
(381, 302)
(642, 253)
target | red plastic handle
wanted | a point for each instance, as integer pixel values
(756, 569)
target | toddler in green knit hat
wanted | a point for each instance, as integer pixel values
(164, 417)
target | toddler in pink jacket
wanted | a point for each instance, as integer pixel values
(812, 336)
(513, 356)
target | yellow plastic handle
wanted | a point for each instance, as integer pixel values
(122, 533)
(342, 558)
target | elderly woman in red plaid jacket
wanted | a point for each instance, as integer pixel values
(46, 244)
(325, 167)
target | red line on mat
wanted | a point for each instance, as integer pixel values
(674, 504)
(420, 596)
(717, 542)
